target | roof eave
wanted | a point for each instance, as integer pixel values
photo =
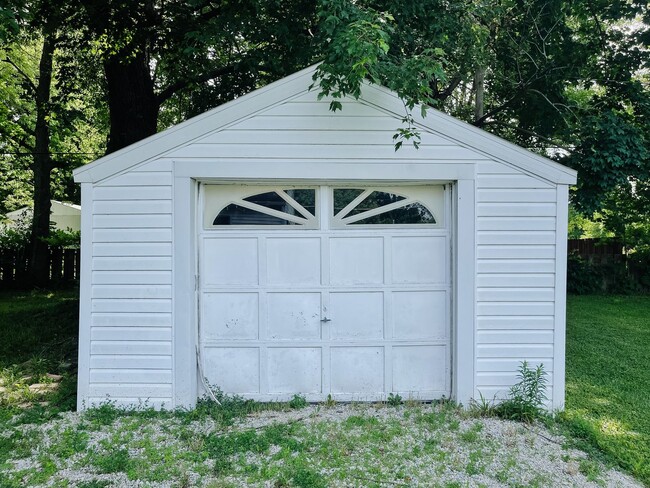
(163, 142)
(475, 138)
(462, 133)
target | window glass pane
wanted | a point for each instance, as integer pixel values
(272, 200)
(305, 197)
(413, 213)
(343, 197)
(236, 215)
(375, 200)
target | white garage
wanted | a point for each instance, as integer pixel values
(276, 248)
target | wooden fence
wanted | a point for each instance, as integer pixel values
(597, 250)
(64, 267)
(64, 263)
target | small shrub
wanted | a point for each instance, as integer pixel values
(104, 414)
(298, 402)
(394, 400)
(330, 402)
(582, 277)
(639, 265)
(225, 412)
(482, 407)
(526, 399)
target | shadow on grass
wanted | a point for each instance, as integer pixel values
(38, 353)
(608, 379)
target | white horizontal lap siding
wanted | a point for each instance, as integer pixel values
(131, 288)
(304, 128)
(516, 249)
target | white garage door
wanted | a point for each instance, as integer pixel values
(325, 290)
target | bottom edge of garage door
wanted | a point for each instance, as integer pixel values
(347, 397)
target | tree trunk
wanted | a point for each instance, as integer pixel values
(39, 272)
(131, 100)
(479, 90)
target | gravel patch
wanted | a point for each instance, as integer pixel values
(341, 446)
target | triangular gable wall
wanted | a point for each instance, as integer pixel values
(303, 128)
(377, 114)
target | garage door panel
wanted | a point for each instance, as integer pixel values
(357, 370)
(230, 316)
(420, 315)
(234, 370)
(294, 316)
(356, 260)
(419, 260)
(293, 261)
(419, 368)
(356, 316)
(292, 369)
(356, 311)
(230, 262)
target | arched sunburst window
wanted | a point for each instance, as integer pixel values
(237, 205)
(387, 206)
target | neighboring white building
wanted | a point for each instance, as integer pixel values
(66, 216)
(297, 252)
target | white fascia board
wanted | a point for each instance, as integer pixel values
(472, 137)
(159, 144)
(67, 204)
(18, 213)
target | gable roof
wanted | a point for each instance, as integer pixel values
(57, 208)
(463, 134)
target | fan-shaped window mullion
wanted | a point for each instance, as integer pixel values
(233, 214)
(353, 204)
(287, 198)
(377, 211)
(412, 214)
(270, 211)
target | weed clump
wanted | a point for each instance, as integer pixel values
(394, 400)
(297, 402)
(526, 399)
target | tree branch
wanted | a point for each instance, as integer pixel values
(30, 83)
(530, 133)
(482, 121)
(601, 33)
(57, 163)
(554, 105)
(446, 93)
(168, 92)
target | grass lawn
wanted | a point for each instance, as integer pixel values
(607, 413)
(317, 446)
(38, 352)
(608, 377)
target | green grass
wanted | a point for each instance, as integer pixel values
(38, 344)
(607, 407)
(608, 377)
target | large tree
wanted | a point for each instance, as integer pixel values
(189, 55)
(565, 79)
(40, 132)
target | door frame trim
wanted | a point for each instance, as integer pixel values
(184, 241)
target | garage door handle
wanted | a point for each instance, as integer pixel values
(325, 319)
